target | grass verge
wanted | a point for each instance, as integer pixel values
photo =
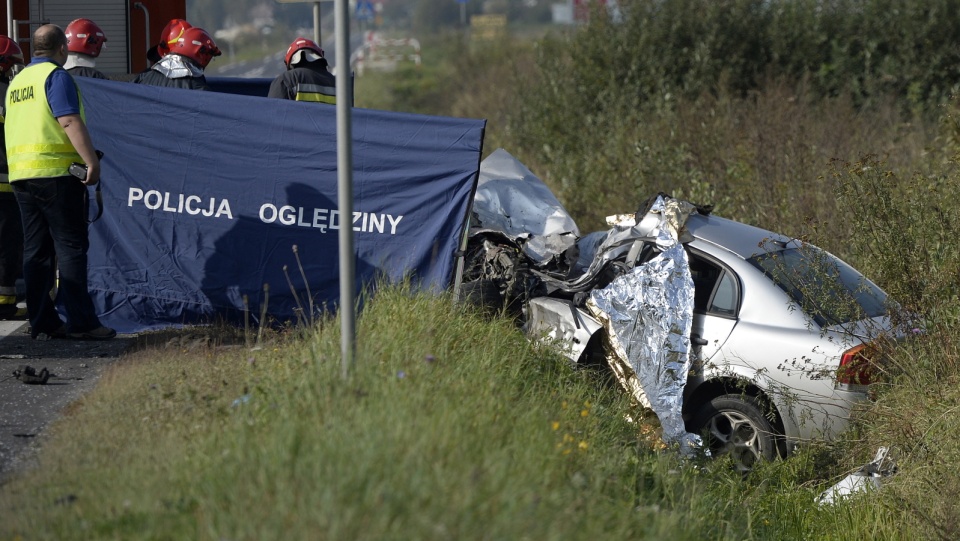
(451, 426)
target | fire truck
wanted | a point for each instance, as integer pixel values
(131, 26)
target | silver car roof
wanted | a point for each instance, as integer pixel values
(738, 238)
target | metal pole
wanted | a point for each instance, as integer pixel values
(10, 20)
(316, 23)
(348, 341)
(146, 23)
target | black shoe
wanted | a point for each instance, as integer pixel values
(13, 312)
(56, 334)
(100, 333)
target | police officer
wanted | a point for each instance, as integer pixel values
(307, 77)
(183, 65)
(45, 132)
(84, 42)
(11, 231)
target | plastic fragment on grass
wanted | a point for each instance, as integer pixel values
(866, 479)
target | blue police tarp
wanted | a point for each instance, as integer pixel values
(258, 86)
(211, 198)
(234, 85)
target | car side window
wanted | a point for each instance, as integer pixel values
(704, 278)
(725, 296)
(715, 289)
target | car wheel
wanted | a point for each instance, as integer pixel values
(481, 293)
(735, 425)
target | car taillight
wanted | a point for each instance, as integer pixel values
(854, 366)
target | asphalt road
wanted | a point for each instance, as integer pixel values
(270, 66)
(26, 410)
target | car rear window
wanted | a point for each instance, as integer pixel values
(826, 288)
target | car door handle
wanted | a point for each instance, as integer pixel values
(697, 341)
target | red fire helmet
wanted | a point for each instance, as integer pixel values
(170, 34)
(10, 53)
(197, 45)
(84, 36)
(300, 44)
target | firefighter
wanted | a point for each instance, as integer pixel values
(183, 65)
(11, 231)
(307, 77)
(84, 43)
(45, 133)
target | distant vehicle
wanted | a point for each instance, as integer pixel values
(780, 331)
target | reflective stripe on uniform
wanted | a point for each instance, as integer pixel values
(316, 93)
(56, 157)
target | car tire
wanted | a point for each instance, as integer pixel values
(481, 293)
(735, 425)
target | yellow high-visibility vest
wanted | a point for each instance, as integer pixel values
(37, 145)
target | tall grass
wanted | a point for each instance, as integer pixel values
(452, 426)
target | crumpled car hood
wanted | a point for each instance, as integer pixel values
(513, 201)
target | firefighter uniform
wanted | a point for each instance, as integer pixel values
(11, 234)
(306, 82)
(182, 67)
(307, 77)
(84, 43)
(174, 71)
(86, 71)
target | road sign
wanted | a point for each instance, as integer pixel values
(364, 10)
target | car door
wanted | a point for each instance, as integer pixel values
(715, 306)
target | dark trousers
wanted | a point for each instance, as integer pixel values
(11, 253)
(55, 236)
(11, 240)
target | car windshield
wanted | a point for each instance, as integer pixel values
(826, 288)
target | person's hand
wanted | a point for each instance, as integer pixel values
(93, 174)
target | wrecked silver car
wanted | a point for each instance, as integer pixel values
(742, 341)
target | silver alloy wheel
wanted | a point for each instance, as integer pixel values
(734, 433)
(735, 425)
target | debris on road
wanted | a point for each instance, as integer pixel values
(29, 375)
